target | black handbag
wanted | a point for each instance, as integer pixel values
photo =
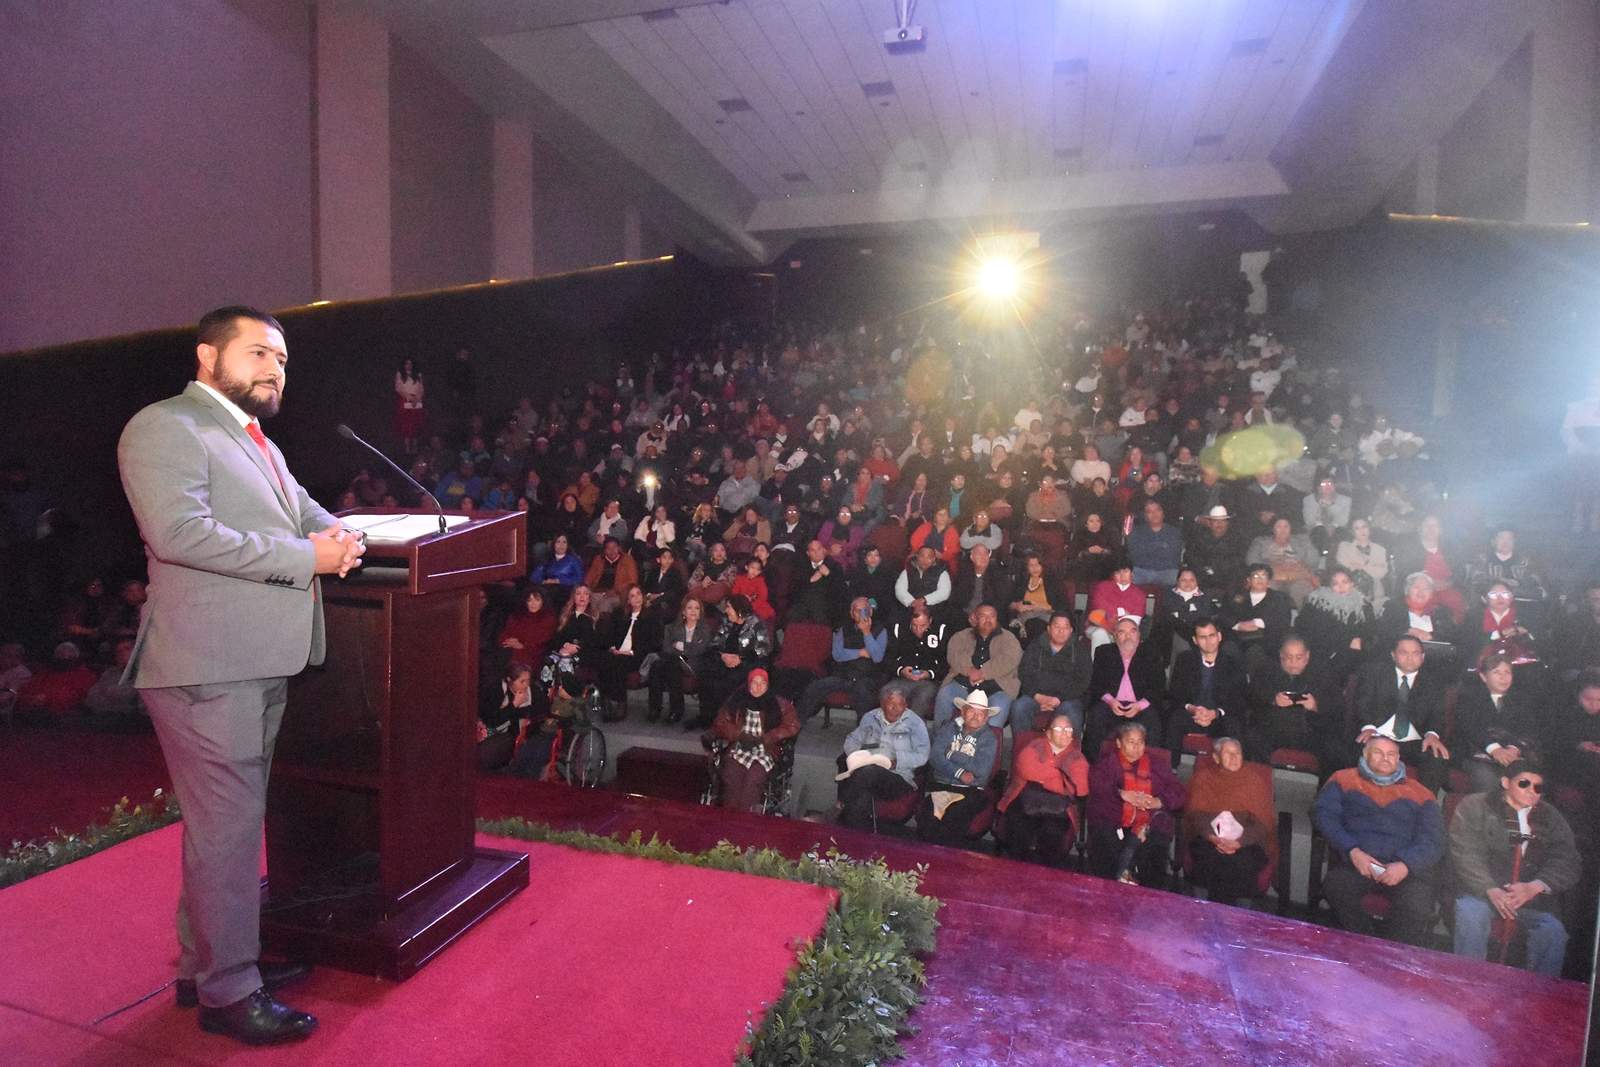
(1039, 802)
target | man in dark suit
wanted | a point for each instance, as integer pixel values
(1401, 700)
(1207, 691)
(1127, 683)
(1295, 703)
(235, 547)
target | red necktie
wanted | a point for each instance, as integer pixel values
(254, 430)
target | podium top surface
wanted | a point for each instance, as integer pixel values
(476, 548)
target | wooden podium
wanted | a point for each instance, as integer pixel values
(371, 803)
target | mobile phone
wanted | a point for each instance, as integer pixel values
(1378, 870)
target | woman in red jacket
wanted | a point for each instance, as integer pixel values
(1047, 777)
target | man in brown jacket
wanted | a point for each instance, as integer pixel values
(981, 657)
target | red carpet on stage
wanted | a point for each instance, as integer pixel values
(602, 960)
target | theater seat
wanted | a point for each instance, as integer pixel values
(1295, 759)
(1196, 744)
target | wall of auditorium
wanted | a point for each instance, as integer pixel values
(161, 158)
(157, 160)
(440, 178)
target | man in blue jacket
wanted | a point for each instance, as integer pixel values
(1386, 836)
(889, 732)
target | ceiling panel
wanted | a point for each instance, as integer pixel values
(1211, 52)
(1136, 78)
(952, 28)
(754, 62)
(1108, 36)
(1069, 104)
(998, 42)
(800, 60)
(697, 121)
(1070, 87)
(1174, 71)
(1036, 61)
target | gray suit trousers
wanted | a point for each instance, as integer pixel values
(217, 740)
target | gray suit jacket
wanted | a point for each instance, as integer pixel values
(233, 592)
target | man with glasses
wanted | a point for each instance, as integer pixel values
(1513, 856)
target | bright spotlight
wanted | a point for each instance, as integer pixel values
(998, 278)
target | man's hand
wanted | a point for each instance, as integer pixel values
(1394, 874)
(1247, 626)
(1420, 634)
(1126, 709)
(976, 676)
(1046, 702)
(1500, 901)
(1432, 744)
(1282, 700)
(1227, 848)
(1589, 746)
(338, 551)
(1362, 862)
(966, 777)
(510, 642)
(1505, 755)
(1519, 893)
(730, 660)
(1309, 702)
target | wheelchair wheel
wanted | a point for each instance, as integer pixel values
(585, 759)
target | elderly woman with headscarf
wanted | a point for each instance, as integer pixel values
(1047, 775)
(1228, 824)
(755, 723)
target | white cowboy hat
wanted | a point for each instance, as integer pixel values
(975, 699)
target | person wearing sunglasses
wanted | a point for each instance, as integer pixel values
(1514, 858)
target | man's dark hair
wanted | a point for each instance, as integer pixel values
(1518, 767)
(221, 325)
(1413, 638)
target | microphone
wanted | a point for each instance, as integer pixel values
(350, 435)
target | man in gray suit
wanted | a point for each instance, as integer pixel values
(235, 547)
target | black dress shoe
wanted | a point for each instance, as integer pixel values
(258, 1020)
(274, 976)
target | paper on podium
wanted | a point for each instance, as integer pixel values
(397, 529)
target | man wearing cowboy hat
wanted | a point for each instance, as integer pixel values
(983, 664)
(961, 762)
(1215, 552)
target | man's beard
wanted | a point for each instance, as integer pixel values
(243, 393)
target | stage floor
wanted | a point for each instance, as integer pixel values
(1037, 967)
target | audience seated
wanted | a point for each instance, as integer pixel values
(719, 481)
(1386, 837)
(857, 667)
(1048, 776)
(1405, 703)
(754, 723)
(1514, 859)
(1052, 678)
(1206, 691)
(1127, 683)
(900, 747)
(982, 659)
(962, 759)
(1132, 798)
(1497, 723)
(58, 688)
(918, 658)
(1229, 823)
(685, 645)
